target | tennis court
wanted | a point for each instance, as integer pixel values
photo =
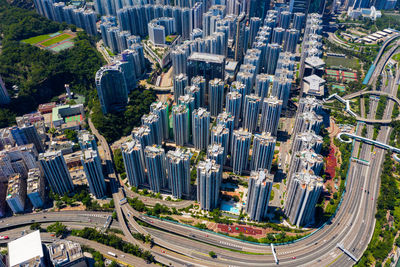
(61, 46)
(339, 87)
(332, 72)
(349, 74)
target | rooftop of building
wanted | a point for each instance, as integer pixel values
(273, 100)
(34, 180)
(231, 65)
(50, 154)
(15, 185)
(141, 131)
(206, 57)
(158, 105)
(63, 252)
(26, 249)
(85, 136)
(309, 156)
(62, 111)
(265, 137)
(311, 116)
(186, 98)
(89, 154)
(178, 155)
(225, 116)
(208, 166)
(315, 62)
(310, 100)
(178, 109)
(201, 112)
(262, 176)
(130, 146)
(153, 150)
(150, 117)
(308, 180)
(237, 85)
(180, 76)
(216, 81)
(241, 133)
(220, 129)
(233, 95)
(309, 136)
(314, 85)
(215, 149)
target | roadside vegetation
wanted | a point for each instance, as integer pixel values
(114, 241)
(381, 107)
(387, 217)
(81, 196)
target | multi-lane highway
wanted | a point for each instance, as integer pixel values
(90, 217)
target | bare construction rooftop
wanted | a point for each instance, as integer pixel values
(213, 58)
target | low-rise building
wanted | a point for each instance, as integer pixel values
(35, 188)
(65, 253)
(26, 251)
(314, 86)
(68, 117)
(16, 193)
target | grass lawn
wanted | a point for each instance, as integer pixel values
(55, 40)
(36, 39)
(397, 57)
(110, 53)
(345, 62)
(170, 38)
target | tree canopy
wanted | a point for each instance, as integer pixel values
(40, 74)
(114, 126)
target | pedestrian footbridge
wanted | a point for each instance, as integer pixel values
(395, 150)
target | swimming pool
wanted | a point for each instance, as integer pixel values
(226, 206)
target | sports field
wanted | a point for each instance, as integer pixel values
(55, 42)
(39, 38)
(341, 62)
(56, 39)
(74, 118)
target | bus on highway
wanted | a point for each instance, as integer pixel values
(122, 201)
(112, 254)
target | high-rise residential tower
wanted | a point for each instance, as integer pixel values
(4, 97)
(111, 88)
(180, 116)
(132, 154)
(216, 96)
(201, 128)
(162, 110)
(258, 194)
(251, 112)
(233, 106)
(270, 114)
(180, 82)
(56, 171)
(156, 166)
(178, 167)
(302, 196)
(91, 163)
(263, 151)
(240, 150)
(209, 176)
